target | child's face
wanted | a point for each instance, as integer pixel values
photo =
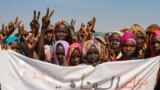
(128, 48)
(75, 58)
(93, 55)
(61, 33)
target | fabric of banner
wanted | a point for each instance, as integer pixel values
(21, 73)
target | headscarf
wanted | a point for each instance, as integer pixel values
(65, 46)
(71, 36)
(112, 54)
(88, 44)
(127, 36)
(117, 32)
(137, 28)
(72, 47)
(100, 36)
(157, 33)
(11, 39)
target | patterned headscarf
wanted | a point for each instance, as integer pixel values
(117, 32)
(157, 33)
(88, 44)
(127, 36)
(11, 39)
(137, 28)
(71, 37)
(72, 47)
(65, 46)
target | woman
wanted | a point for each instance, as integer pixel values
(128, 43)
(92, 52)
(74, 55)
(60, 52)
(62, 32)
(141, 40)
(155, 51)
(114, 44)
(155, 43)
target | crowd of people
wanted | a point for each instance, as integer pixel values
(61, 44)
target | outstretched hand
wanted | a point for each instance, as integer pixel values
(13, 25)
(46, 18)
(72, 25)
(91, 24)
(35, 23)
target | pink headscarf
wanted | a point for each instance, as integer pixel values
(65, 46)
(72, 47)
(127, 36)
(157, 33)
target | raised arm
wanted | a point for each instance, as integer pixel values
(45, 24)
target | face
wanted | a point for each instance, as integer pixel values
(93, 55)
(75, 58)
(155, 44)
(60, 54)
(115, 41)
(140, 39)
(15, 47)
(48, 36)
(128, 48)
(61, 33)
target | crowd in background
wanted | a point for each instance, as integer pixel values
(61, 44)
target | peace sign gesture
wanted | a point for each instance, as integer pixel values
(13, 25)
(91, 24)
(21, 32)
(35, 23)
(46, 18)
(72, 24)
(4, 32)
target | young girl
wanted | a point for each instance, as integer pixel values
(62, 32)
(60, 52)
(128, 44)
(92, 52)
(74, 55)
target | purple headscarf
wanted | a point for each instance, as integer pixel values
(65, 46)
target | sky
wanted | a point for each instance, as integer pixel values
(111, 15)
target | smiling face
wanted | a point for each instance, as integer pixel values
(155, 44)
(60, 53)
(93, 55)
(75, 58)
(61, 33)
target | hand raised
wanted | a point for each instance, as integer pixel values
(72, 24)
(4, 32)
(35, 23)
(14, 25)
(46, 18)
(91, 24)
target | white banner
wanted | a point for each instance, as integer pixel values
(18, 72)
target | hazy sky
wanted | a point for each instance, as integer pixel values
(111, 15)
